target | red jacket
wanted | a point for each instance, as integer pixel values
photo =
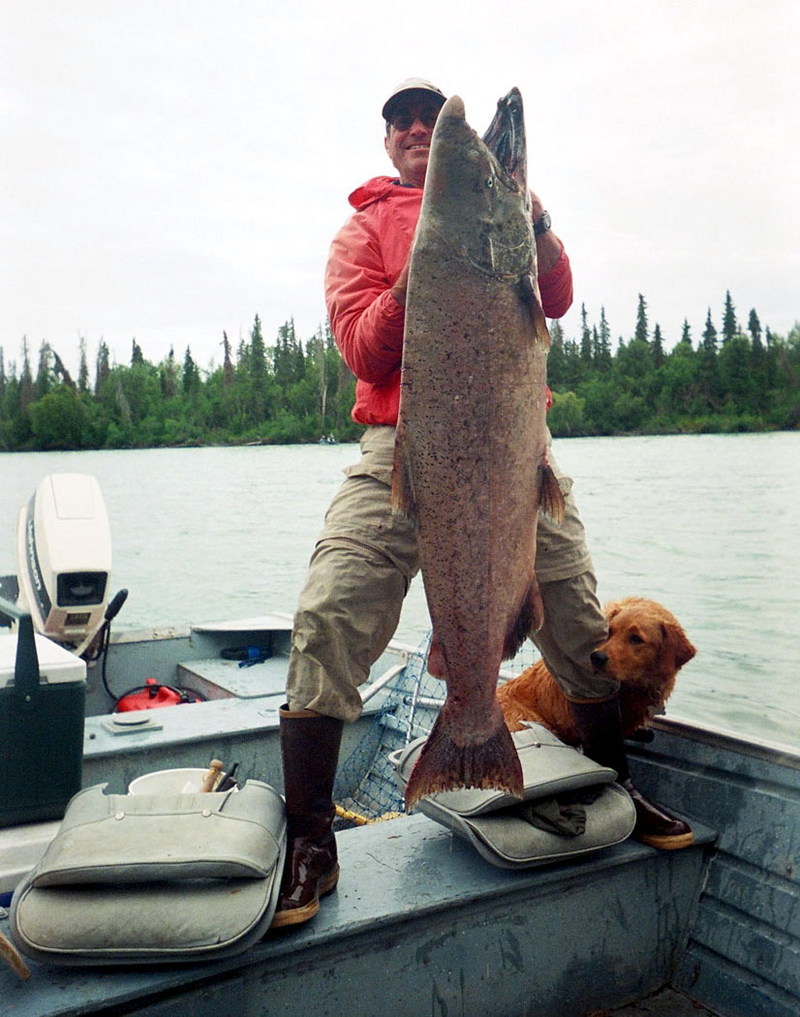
(366, 257)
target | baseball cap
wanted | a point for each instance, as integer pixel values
(410, 85)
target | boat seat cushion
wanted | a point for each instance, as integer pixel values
(141, 838)
(512, 837)
(154, 878)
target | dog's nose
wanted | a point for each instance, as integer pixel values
(599, 659)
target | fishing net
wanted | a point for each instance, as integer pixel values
(366, 789)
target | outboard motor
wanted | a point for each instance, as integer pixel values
(64, 558)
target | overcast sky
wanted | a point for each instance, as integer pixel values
(171, 168)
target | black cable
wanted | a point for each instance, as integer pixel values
(113, 609)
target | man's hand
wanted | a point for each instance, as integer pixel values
(537, 208)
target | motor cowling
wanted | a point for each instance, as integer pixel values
(64, 558)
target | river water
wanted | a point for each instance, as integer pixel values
(707, 524)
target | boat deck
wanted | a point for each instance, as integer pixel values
(422, 925)
(439, 931)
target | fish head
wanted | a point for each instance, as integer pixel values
(478, 206)
(505, 137)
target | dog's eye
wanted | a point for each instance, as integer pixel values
(635, 639)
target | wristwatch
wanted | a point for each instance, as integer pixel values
(542, 224)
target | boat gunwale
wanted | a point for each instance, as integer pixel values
(676, 725)
(730, 741)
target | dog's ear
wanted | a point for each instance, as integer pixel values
(612, 609)
(677, 644)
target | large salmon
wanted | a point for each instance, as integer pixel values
(471, 455)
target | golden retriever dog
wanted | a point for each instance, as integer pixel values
(645, 649)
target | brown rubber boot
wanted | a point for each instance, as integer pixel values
(310, 751)
(600, 727)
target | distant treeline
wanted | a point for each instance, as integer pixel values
(290, 392)
(734, 379)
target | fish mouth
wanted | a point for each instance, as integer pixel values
(505, 138)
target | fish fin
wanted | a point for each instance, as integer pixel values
(530, 294)
(551, 499)
(529, 619)
(444, 766)
(403, 502)
(436, 662)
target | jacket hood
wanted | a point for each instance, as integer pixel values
(375, 189)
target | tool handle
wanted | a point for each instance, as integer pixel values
(11, 956)
(213, 776)
(228, 780)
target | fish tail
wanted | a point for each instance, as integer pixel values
(550, 497)
(444, 766)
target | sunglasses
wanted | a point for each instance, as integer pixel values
(403, 120)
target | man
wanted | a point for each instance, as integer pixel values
(366, 555)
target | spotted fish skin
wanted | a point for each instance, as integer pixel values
(471, 449)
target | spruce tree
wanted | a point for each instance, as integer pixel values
(641, 332)
(168, 375)
(729, 325)
(710, 336)
(102, 368)
(603, 353)
(754, 327)
(44, 380)
(556, 374)
(190, 381)
(26, 392)
(83, 368)
(586, 338)
(228, 373)
(709, 369)
(257, 382)
(658, 347)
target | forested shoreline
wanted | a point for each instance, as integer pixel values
(739, 377)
